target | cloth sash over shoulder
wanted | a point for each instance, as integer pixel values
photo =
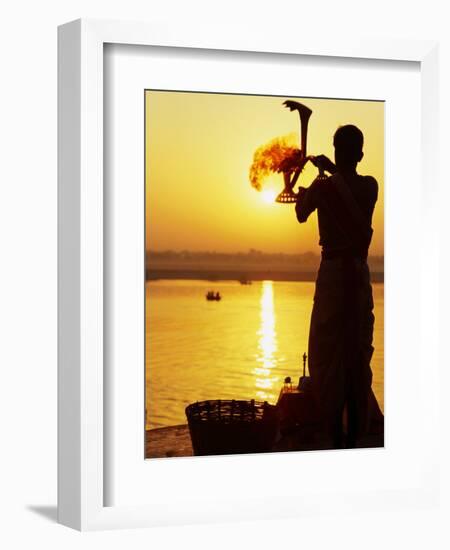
(358, 227)
(345, 229)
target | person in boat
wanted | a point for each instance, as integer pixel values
(342, 320)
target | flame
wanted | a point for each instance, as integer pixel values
(268, 158)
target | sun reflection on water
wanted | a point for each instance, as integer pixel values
(267, 346)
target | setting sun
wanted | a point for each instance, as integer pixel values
(269, 196)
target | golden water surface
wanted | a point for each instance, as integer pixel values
(241, 347)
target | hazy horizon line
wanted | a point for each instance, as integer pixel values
(251, 251)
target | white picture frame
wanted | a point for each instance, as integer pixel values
(82, 484)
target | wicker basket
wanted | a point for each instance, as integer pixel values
(231, 426)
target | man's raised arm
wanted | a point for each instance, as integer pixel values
(308, 198)
(307, 201)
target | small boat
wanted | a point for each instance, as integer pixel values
(245, 282)
(213, 296)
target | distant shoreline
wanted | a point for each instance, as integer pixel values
(254, 265)
(261, 275)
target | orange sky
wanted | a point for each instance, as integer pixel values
(199, 148)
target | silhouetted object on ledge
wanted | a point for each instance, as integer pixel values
(213, 296)
(297, 408)
(300, 418)
(304, 381)
(232, 426)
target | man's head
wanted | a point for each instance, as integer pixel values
(348, 144)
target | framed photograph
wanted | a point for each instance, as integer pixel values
(237, 297)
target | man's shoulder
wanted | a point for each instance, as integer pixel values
(370, 181)
(372, 185)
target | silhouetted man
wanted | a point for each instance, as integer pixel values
(340, 339)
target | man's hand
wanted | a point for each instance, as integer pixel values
(323, 162)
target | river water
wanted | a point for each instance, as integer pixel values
(241, 347)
